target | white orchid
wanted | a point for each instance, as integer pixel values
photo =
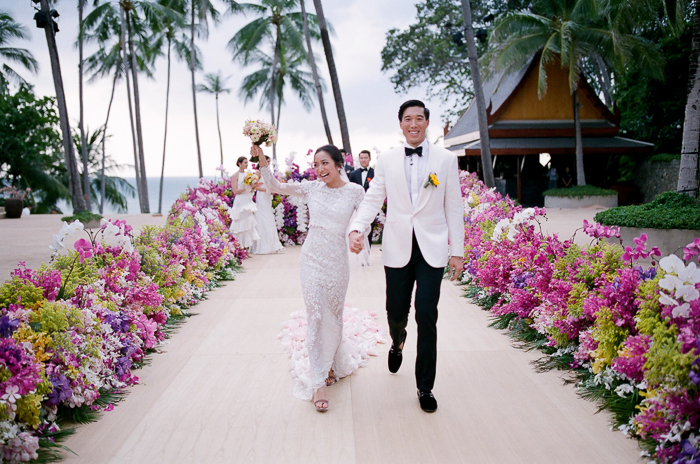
(680, 282)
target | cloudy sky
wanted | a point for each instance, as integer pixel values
(370, 101)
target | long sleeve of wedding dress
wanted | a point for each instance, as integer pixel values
(325, 273)
(283, 189)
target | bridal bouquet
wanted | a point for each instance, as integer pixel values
(250, 179)
(260, 132)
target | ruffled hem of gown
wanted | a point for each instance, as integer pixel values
(361, 333)
(247, 238)
(242, 212)
(239, 227)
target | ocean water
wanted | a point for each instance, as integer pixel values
(173, 187)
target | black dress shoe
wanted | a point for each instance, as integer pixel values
(427, 401)
(396, 356)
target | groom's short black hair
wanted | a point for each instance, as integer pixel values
(416, 103)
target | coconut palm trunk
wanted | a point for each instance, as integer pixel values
(273, 87)
(325, 38)
(69, 152)
(314, 71)
(81, 123)
(688, 174)
(580, 173)
(218, 127)
(139, 132)
(125, 61)
(194, 90)
(165, 133)
(104, 142)
(485, 141)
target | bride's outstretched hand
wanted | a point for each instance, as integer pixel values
(256, 151)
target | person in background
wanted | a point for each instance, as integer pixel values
(364, 174)
(349, 165)
(553, 177)
(567, 179)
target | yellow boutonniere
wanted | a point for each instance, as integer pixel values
(432, 180)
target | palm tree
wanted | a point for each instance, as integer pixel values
(215, 85)
(277, 26)
(107, 25)
(139, 20)
(570, 31)
(485, 142)
(688, 174)
(71, 164)
(9, 30)
(105, 61)
(116, 188)
(287, 72)
(201, 10)
(182, 51)
(314, 70)
(325, 38)
(83, 152)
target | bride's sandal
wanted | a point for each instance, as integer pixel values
(320, 404)
(331, 379)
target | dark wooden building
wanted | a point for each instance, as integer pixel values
(526, 132)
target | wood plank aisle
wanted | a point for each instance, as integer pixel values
(221, 393)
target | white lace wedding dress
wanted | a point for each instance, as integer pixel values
(266, 228)
(243, 215)
(319, 343)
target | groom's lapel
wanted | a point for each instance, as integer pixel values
(400, 173)
(433, 164)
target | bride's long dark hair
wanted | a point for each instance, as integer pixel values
(334, 153)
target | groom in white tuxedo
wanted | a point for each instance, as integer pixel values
(424, 227)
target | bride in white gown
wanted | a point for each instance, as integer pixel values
(325, 273)
(267, 227)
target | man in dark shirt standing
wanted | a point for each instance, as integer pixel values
(364, 174)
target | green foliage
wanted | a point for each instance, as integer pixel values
(664, 158)
(31, 147)
(579, 191)
(83, 216)
(425, 53)
(9, 30)
(651, 110)
(669, 210)
(15, 290)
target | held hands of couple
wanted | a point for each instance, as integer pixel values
(356, 241)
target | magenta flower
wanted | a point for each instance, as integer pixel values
(84, 249)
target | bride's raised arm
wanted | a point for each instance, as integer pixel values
(274, 185)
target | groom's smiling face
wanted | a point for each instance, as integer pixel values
(414, 124)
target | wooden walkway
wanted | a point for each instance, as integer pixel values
(221, 393)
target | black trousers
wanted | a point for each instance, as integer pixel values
(399, 287)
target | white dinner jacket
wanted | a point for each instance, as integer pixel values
(438, 216)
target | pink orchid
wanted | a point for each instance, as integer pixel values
(84, 249)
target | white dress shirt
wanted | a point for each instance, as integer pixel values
(415, 167)
(364, 173)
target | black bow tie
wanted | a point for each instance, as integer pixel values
(364, 169)
(418, 151)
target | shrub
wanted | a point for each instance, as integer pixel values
(669, 210)
(579, 192)
(83, 216)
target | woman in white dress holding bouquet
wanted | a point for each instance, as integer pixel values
(267, 227)
(243, 211)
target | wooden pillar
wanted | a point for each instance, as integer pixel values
(520, 178)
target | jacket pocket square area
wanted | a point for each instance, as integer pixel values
(432, 180)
